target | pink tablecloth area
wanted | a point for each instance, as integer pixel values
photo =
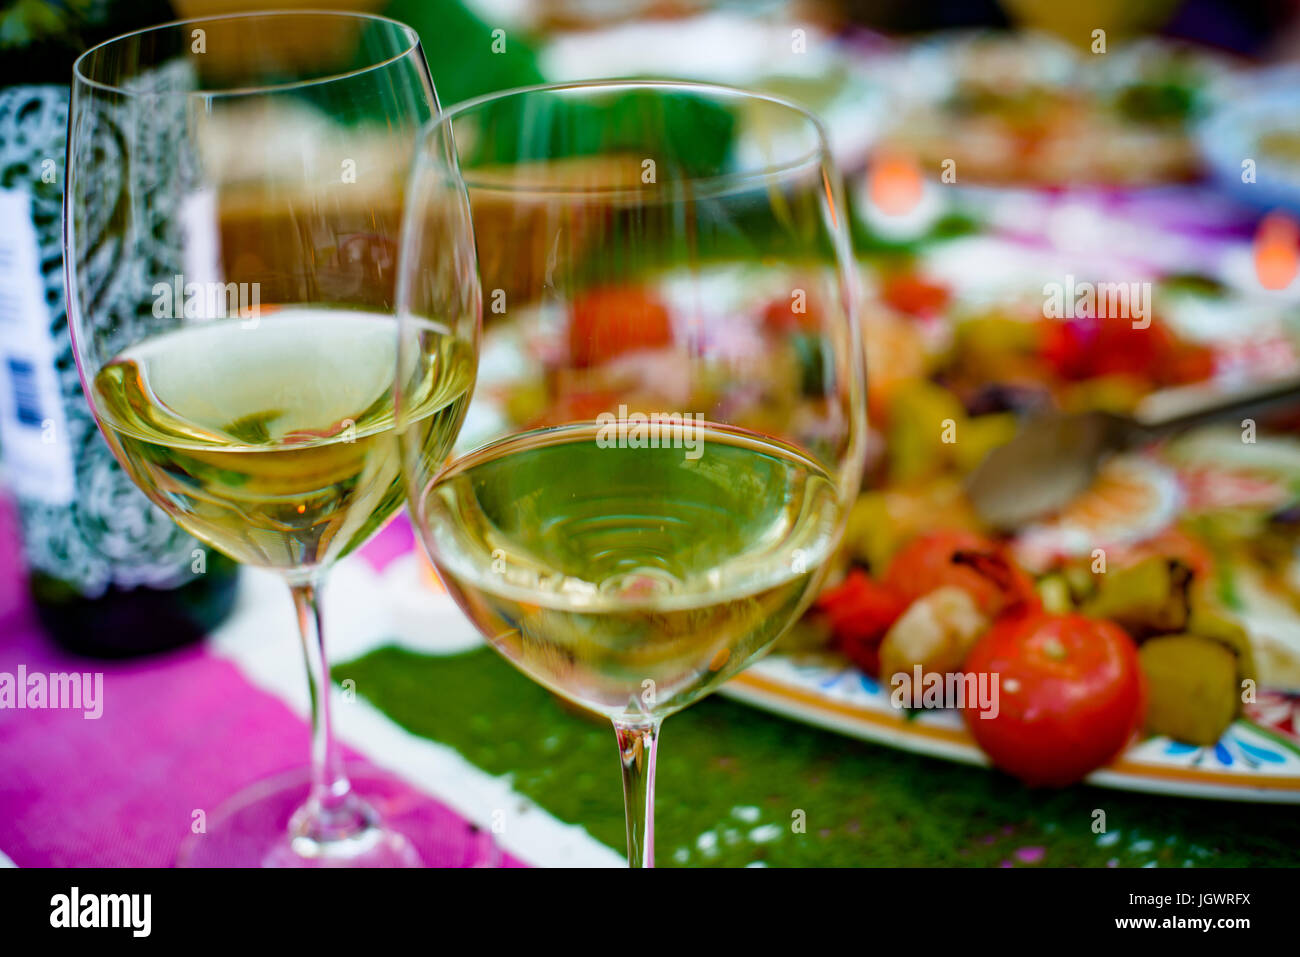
(179, 732)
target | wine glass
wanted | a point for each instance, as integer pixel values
(670, 392)
(232, 218)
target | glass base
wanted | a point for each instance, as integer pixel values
(386, 824)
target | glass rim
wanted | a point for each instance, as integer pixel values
(80, 77)
(820, 151)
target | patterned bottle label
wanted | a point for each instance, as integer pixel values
(84, 522)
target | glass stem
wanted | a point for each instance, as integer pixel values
(637, 743)
(328, 814)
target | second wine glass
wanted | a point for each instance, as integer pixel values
(670, 392)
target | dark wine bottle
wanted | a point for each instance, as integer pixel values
(111, 574)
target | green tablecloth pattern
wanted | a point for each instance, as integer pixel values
(732, 781)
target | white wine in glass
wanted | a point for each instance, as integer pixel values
(293, 462)
(632, 580)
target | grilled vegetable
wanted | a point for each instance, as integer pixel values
(1192, 687)
(882, 522)
(1209, 619)
(919, 416)
(933, 560)
(935, 632)
(1149, 597)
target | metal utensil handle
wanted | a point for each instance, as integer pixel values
(1172, 409)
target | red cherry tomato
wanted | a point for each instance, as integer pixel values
(910, 293)
(1190, 363)
(1070, 695)
(927, 563)
(1086, 347)
(780, 315)
(610, 321)
(859, 611)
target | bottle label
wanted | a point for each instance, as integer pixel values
(38, 463)
(84, 522)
